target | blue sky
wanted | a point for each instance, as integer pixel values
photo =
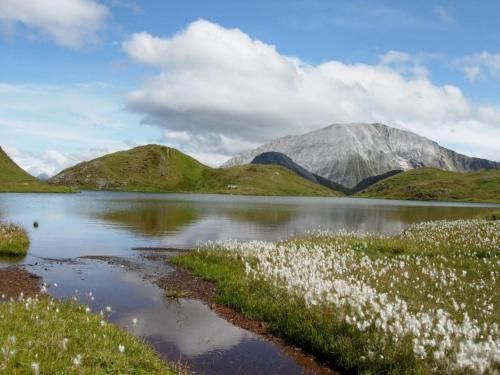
(79, 78)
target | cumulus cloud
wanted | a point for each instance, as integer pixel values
(479, 65)
(223, 88)
(71, 23)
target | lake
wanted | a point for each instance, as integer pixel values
(114, 224)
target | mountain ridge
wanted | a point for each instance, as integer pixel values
(349, 153)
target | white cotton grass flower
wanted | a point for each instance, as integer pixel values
(108, 308)
(103, 323)
(134, 321)
(121, 348)
(35, 368)
(77, 361)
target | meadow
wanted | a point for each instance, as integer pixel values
(425, 301)
(41, 335)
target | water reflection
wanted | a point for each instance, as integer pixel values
(270, 215)
(150, 219)
(189, 324)
(113, 223)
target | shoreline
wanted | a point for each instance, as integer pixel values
(184, 282)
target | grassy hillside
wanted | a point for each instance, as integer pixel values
(261, 180)
(145, 168)
(14, 179)
(436, 184)
(155, 168)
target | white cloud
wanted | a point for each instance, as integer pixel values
(392, 57)
(55, 126)
(49, 162)
(71, 23)
(444, 15)
(479, 65)
(42, 164)
(226, 89)
(405, 63)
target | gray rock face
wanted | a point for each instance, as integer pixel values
(349, 153)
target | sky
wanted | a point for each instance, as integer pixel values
(82, 78)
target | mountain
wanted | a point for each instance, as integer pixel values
(278, 158)
(162, 169)
(349, 153)
(436, 184)
(15, 179)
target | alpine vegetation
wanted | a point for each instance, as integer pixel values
(424, 301)
(13, 240)
(41, 335)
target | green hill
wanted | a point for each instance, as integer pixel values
(15, 179)
(155, 168)
(431, 184)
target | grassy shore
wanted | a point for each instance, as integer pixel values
(33, 187)
(432, 184)
(14, 240)
(426, 301)
(45, 336)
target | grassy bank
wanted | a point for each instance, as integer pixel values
(14, 240)
(44, 336)
(33, 187)
(426, 301)
(431, 184)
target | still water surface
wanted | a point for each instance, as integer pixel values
(103, 223)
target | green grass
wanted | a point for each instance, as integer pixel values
(50, 337)
(435, 184)
(33, 187)
(431, 267)
(260, 180)
(155, 168)
(14, 240)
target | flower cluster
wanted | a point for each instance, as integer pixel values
(435, 284)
